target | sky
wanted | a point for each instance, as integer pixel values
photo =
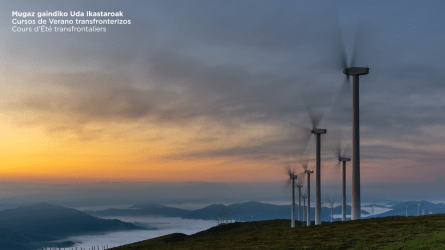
(207, 101)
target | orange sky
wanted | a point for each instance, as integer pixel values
(166, 99)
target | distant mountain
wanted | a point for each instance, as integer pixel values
(243, 211)
(37, 225)
(399, 209)
(375, 205)
(148, 206)
(20, 240)
(142, 210)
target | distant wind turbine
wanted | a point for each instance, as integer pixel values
(331, 201)
(292, 177)
(300, 179)
(418, 207)
(308, 172)
(304, 205)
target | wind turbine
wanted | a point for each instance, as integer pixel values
(308, 172)
(299, 186)
(418, 207)
(342, 159)
(351, 70)
(304, 205)
(318, 132)
(292, 177)
(304, 165)
(331, 201)
(315, 120)
(406, 210)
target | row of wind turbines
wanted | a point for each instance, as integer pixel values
(355, 72)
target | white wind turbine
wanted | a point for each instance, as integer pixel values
(331, 201)
(292, 177)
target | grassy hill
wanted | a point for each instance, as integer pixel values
(423, 232)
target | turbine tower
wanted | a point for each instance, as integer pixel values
(343, 184)
(299, 186)
(331, 201)
(304, 165)
(355, 72)
(350, 69)
(308, 172)
(341, 159)
(304, 205)
(318, 132)
(292, 177)
(418, 206)
(406, 210)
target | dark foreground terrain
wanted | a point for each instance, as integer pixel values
(423, 232)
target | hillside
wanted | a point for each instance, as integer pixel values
(378, 233)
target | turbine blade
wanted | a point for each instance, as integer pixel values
(333, 140)
(288, 171)
(314, 115)
(313, 118)
(337, 168)
(300, 179)
(340, 59)
(337, 165)
(304, 136)
(346, 151)
(338, 104)
(358, 44)
(304, 165)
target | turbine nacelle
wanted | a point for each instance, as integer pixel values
(356, 71)
(309, 171)
(318, 131)
(344, 159)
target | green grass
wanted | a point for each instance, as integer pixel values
(423, 232)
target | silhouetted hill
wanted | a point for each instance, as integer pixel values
(41, 225)
(243, 211)
(142, 210)
(57, 221)
(20, 240)
(148, 205)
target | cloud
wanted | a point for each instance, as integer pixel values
(231, 67)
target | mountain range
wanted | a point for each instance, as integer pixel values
(400, 210)
(237, 211)
(262, 211)
(43, 224)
